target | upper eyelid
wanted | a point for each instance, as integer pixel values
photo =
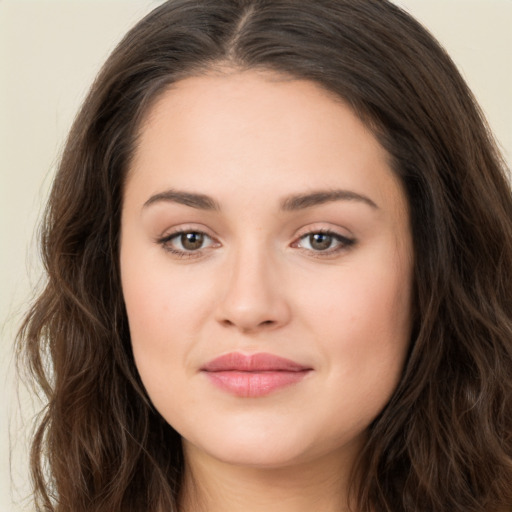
(323, 228)
(185, 228)
(334, 234)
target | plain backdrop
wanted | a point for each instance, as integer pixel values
(50, 50)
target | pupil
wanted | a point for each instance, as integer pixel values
(320, 241)
(192, 241)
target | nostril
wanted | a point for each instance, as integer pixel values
(226, 322)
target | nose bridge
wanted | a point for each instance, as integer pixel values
(253, 298)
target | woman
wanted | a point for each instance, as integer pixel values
(279, 256)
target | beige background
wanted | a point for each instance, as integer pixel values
(49, 53)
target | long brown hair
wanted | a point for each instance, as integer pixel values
(444, 441)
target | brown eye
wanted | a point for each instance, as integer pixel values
(325, 243)
(320, 241)
(187, 243)
(192, 241)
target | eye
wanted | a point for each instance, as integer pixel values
(326, 242)
(187, 243)
(191, 241)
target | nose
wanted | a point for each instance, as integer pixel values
(254, 298)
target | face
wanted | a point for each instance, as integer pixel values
(266, 267)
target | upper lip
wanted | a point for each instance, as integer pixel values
(260, 362)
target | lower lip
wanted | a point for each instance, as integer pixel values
(254, 384)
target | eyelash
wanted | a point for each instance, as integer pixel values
(342, 243)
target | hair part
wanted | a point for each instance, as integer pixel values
(444, 441)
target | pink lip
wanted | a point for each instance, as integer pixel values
(253, 375)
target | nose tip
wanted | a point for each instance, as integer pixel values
(252, 300)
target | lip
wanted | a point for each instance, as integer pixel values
(253, 375)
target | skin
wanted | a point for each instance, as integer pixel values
(259, 283)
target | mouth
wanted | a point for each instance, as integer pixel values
(253, 375)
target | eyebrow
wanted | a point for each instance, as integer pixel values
(303, 201)
(199, 201)
(291, 203)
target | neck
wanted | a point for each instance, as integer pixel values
(211, 485)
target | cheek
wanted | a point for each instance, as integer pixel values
(161, 306)
(362, 324)
(154, 303)
(161, 298)
(158, 329)
(369, 297)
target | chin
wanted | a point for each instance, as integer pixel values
(269, 450)
(256, 457)
(254, 447)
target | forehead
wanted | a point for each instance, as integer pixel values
(239, 101)
(254, 129)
